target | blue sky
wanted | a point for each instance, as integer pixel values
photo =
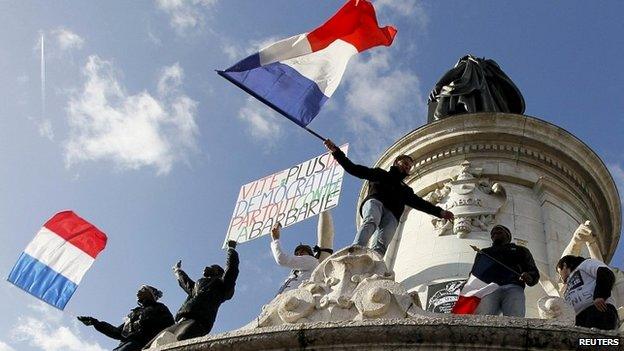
(166, 144)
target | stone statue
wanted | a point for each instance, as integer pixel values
(552, 306)
(473, 199)
(352, 284)
(474, 85)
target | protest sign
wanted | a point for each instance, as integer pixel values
(288, 197)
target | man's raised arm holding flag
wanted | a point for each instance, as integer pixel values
(387, 197)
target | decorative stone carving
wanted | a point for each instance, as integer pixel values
(556, 310)
(352, 284)
(474, 201)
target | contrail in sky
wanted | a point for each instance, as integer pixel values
(43, 74)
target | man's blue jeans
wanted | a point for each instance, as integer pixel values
(508, 299)
(379, 221)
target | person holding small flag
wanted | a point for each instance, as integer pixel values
(387, 197)
(141, 324)
(498, 277)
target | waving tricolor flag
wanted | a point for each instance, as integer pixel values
(54, 263)
(297, 75)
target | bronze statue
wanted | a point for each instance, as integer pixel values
(474, 85)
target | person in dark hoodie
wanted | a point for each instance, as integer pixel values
(197, 314)
(588, 285)
(509, 298)
(387, 197)
(141, 325)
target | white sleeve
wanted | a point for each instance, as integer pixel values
(291, 261)
(590, 266)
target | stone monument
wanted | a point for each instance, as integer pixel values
(489, 164)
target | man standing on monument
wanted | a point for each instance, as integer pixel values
(387, 197)
(512, 269)
(141, 324)
(588, 285)
(302, 262)
(198, 313)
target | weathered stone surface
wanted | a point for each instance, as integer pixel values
(352, 284)
(441, 332)
(553, 182)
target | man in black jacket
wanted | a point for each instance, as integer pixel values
(199, 311)
(509, 298)
(141, 325)
(387, 197)
(588, 285)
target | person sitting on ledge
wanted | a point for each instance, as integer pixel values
(387, 197)
(509, 298)
(141, 325)
(302, 262)
(588, 285)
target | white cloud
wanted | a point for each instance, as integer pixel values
(408, 8)
(185, 14)
(235, 52)
(133, 131)
(383, 102)
(45, 129)
(47, 331)
(262, 123)
(5, 347)
(67, 39)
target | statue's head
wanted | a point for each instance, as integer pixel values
(148, 294)
(404, 163)
(500, 235)
(213, 271)
(302, 250)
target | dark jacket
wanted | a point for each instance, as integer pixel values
(516, 257)
(387, 187)
(141, 325)
(207, 294)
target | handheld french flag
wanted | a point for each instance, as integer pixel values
(296, 76)
(53, 264)
(480, 283)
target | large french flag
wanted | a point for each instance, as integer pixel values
(53, 264)
(297, 75)
(480, 283)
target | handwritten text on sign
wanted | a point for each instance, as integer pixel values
(288, 197)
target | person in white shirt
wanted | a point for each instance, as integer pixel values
(588, 285)
(302, 262)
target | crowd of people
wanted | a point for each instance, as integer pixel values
(588, 283)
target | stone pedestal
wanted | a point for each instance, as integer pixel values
(495, 168)
(444, 332)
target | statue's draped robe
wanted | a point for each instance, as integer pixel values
(474, 85)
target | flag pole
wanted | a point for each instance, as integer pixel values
(493, 259)
(314, 133)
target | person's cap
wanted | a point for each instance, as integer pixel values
(502, 228)
(305, 248)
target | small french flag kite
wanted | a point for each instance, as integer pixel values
(480, 284)
(296, 76)
(53, 264)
